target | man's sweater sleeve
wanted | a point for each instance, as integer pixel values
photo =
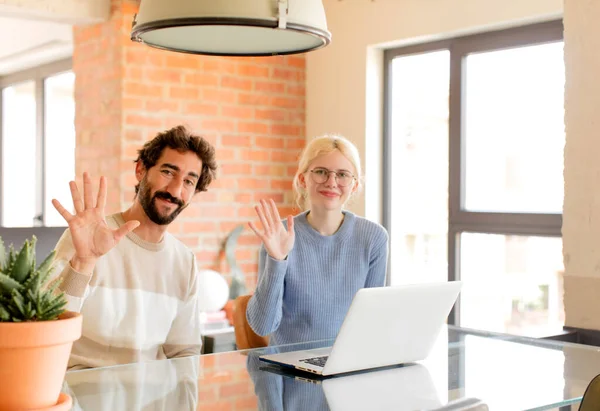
(265, 307)
(74, 284)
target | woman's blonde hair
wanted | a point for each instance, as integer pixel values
(323, 145)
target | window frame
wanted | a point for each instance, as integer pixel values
(38, 75)
(459, 219)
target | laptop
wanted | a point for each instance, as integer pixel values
(384, 326)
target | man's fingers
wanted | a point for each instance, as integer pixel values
(61, 210)
(88, 201)
(77, 203)
(124, 229)
(101, 201)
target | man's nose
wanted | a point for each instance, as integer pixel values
(175, 188)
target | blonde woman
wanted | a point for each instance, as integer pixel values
(311, 265)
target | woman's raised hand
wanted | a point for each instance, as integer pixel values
(278, 240)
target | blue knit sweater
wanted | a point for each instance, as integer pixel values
(307, 296)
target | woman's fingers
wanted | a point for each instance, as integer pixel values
(274, 211)
(270, 218)
(263, 219)
(254, 228)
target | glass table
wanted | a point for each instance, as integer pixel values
(467, 370)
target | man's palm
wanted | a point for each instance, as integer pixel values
(92, 238)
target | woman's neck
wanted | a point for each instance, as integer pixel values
(325, 222)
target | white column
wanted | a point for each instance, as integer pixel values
(581, 215)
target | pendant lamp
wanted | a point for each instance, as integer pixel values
(232, 27)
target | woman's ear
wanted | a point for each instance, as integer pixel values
(302, 180)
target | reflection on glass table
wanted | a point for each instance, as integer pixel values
(467, 368)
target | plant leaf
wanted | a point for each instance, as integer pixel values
(7, 284)
(3, 255)
(22, 265)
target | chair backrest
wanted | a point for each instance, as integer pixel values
(245, 337)
(591, 397)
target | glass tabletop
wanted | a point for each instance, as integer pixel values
(467, 369)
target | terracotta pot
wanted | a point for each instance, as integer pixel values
(33, 361)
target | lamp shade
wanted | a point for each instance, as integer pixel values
(232, 27)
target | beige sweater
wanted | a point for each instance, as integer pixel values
(140, 303)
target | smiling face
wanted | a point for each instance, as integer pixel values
(168, 187)
(322, 190)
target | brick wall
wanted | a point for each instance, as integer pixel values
(251, 109)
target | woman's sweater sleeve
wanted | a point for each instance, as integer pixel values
(378, 261)
(264, 308)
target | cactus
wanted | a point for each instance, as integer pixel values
(25, 291)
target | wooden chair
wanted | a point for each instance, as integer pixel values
(245, 337)
(591, 397)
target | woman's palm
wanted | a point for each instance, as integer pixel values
(278, 240)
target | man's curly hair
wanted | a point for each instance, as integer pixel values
(181, 139)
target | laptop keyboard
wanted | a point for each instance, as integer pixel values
(318, 361)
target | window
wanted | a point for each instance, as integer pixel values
(37, 144)
(473, 165)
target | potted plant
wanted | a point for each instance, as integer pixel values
(36, 332)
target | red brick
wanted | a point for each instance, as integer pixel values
(201, 79)
(254, 99)
(275, 115)
(252, 70)
(218, 95)
(183, 93)
(201, 109)
(236, 82)
(161, 76)
(162, 105)
(248, 127)
(270, 142)
(270, 86)
(255, 155)
(236, 168)
(237, 112)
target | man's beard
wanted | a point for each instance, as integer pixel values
(150, 208)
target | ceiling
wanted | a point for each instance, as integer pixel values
(28, 43)
(36, 32)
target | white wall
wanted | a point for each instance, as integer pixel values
(344, 80)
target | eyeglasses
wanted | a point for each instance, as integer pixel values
(321, 175)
